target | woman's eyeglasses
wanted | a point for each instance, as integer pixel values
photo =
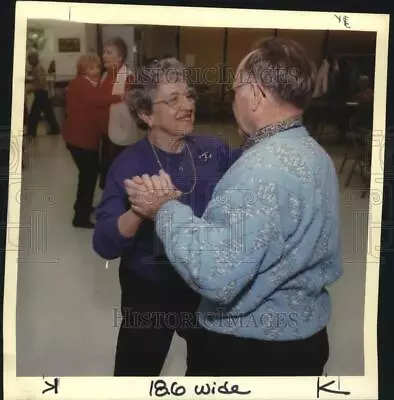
(175, 101)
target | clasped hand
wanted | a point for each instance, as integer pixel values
(147, 194)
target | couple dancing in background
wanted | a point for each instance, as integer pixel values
(98, 125)
(239, 245)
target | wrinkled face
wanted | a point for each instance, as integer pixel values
(242, 93)
(240, 106)
(173, 109)
(111, 57)
(93, 72)
(250, 101)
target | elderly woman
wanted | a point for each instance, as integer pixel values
(155, 301)
(116, 80)
(84, 100)
(268, 243)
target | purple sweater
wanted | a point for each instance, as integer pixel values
(144, 253)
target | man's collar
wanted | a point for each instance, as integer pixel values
(270, 130)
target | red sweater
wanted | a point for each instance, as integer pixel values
(84, 104)
(107, 86)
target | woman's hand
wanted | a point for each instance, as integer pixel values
(147, 194)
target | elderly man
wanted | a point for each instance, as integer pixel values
(268, 243)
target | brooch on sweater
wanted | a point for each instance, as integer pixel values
(205, 156)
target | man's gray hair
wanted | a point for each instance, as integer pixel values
(147, 80)
(282, 67)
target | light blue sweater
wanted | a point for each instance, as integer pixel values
(268, 243)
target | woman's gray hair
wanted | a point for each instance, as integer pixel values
(147, 80)
(120, 46)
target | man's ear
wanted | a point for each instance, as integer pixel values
(257, 97)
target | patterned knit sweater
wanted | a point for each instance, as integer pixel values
(268, 243)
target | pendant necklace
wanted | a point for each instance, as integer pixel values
(191, 160)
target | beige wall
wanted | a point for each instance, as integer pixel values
(313, 41)
(91, 37)
(239, 43)
(158, 41)
(205, 45)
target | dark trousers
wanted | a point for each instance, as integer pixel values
(109, 152)
(41, 103)
(87, 162)
(151, 313)
(213, 354)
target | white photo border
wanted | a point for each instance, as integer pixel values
(363, 387)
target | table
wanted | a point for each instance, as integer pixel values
(323, 111)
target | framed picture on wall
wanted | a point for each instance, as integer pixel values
(69, 45)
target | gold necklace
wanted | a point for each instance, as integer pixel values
(192, 162)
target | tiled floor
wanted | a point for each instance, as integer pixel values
(66, 297)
